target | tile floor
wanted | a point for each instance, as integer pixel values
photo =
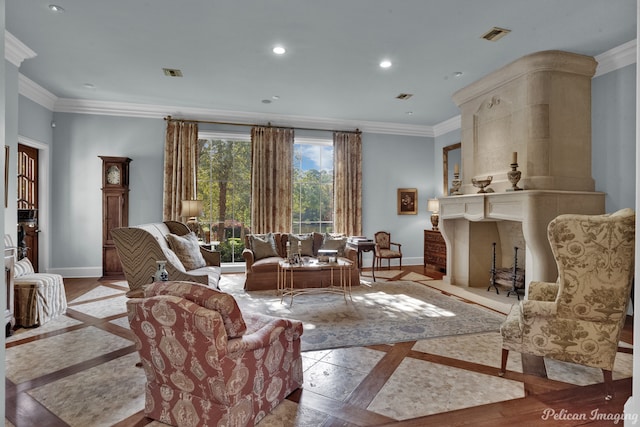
(79, 369)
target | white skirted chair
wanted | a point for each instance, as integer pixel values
(38, 297)
(579, 318)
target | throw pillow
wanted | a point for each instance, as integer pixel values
(187, 249)
(22, 268)
(263, 246)
(334, 242)
(173, 259)
(306, 244)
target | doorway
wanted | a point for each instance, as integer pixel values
(28, 202)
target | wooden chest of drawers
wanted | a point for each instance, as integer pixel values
(435, 250)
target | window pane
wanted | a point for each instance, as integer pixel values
(313, 187)
(224, 185)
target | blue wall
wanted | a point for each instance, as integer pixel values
(613, 138)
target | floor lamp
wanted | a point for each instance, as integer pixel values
(192, 209)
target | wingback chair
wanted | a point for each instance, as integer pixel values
(208, 364)
(579, 318)
(140, 246)
(384, 249)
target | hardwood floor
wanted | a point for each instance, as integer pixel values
(544, 397)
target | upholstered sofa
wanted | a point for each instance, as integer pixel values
(206, 363)
(263, 252)
(139, 248)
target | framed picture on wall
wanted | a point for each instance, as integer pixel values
(407, 201)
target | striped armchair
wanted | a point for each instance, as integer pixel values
(579, 318)
(141, 246)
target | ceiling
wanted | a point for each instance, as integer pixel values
(114, 51)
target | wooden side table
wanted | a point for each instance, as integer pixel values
(435, 250)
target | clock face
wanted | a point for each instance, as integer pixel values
(113, 175)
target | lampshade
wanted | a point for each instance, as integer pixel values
(191, 208)
(433, 205)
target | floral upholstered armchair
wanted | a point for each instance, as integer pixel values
(206, 363)
(579, 318)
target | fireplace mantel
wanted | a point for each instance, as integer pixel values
(469, 224)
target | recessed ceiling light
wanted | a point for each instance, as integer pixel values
(409, 113)
(89, 86)
(385, 63)
(458, 74)
(56, 8)
(266, 101)
(279, 50)
(275, 97)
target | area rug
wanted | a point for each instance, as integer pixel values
(384, 312)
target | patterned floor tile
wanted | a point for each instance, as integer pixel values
(104, 308)
(291, 414)
(332, 381)
(419, 388)
(56, 324)
(37, 358)
(97, 397)
(484, 349)
(99, 292)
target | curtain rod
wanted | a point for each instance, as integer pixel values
(169, 118)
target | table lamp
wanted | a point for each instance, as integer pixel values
(433, 206)
(192, 209)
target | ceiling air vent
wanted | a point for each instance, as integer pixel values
(172, 72)
(495, 34)
(404, 96)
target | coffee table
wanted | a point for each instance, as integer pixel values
(339, 271)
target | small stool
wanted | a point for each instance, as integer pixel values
(39, 297)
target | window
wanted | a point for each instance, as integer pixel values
(312, 186)
(224, 185)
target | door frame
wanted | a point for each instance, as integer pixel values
(44, 206)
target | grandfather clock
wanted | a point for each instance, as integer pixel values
(115, 209)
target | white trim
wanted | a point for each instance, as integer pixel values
(616, 58)
(447, 126)
(84, 106)
(33, 91)
(44, 204)
(77, 272)
(15, 51)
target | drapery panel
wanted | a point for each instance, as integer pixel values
(347, 183)
(271, 179)
(180, 167)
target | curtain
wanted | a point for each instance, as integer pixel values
(347, 183)
(271, 179)
(180, 167)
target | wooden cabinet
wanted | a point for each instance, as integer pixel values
(115, 209)
(435, 250)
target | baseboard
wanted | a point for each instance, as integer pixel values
(77, 272)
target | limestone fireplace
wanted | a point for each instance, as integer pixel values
(538, 109)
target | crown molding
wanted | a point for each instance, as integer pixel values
(15, 51)
(32, 90)
(447, 126)
(616, 58)
(84, 106)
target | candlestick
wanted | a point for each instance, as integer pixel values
(514, 157)
(456, 168)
